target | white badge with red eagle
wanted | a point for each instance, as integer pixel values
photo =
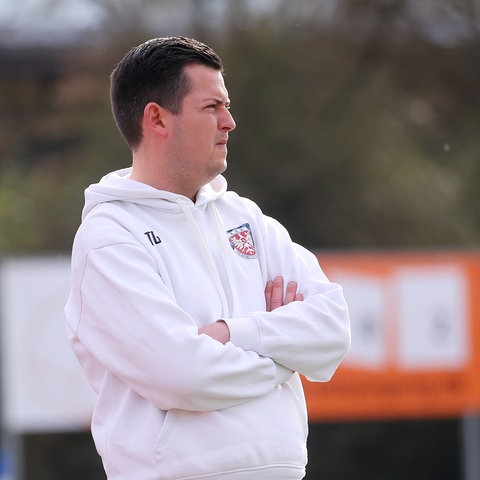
(241, 240)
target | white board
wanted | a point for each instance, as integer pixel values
(43, 386)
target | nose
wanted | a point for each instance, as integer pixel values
(227, 122)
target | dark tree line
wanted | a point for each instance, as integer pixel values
(357, 133)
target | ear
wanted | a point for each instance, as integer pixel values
(154, 118)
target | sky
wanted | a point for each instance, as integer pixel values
(49, 22)
(52, 21)
(44, 21)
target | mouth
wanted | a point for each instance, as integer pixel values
(223, 142)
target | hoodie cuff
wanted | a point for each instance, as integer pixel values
(244, 333)
(283, 374)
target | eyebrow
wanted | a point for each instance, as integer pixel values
(218, 101)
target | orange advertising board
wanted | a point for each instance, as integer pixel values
(415, 353)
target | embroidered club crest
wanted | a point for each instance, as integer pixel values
(241, 240)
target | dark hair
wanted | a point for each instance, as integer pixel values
(154, 72)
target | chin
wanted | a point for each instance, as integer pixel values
(222, 166)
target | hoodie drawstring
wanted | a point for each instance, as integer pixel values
(220, 234)
(208, 256)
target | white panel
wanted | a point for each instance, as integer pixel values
(432, 317)
(366, 298)
(43, 386)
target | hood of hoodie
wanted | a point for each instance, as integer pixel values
(117, 185)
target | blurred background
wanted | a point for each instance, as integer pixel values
(357, 127)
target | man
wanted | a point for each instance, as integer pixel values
(178, 311)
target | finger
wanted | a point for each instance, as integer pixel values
(299, 297)
(277, 293)
(290, 292)
(268, 295)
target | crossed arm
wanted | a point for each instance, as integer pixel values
(274, 298)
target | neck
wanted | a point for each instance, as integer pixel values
(162, 178)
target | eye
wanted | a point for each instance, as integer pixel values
(217, 105)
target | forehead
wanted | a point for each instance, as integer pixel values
(206, 82)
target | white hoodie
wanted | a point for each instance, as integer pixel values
(149, 268)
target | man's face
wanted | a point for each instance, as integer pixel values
(198, 142)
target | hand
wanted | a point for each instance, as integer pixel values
(218, 331)
(274, 293)
(273, 297)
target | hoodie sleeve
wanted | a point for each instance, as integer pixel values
(123, 320)
(309, 337)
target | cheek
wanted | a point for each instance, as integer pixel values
(199, 137)
(206, 136)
